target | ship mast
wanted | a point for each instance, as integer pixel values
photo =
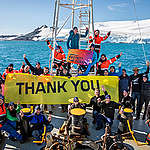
(82, 10)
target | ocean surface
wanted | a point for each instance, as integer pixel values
(12, 52)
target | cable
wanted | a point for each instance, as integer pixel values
(137, 20)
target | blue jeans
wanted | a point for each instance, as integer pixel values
(101, 118)
(38, 133)
(12, 132)
(136, 95)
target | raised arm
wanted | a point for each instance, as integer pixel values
(69, 39)
(105, 37)
(27, 62)
(115, 58)
(86, 33)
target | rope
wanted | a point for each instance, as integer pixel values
(137, 20)
(132, 134)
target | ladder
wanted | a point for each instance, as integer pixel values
(83, 11)
(84, 21)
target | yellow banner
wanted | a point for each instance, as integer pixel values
(30, 89)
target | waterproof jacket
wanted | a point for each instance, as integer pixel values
(108, 109)
(34, 69)
(2, 114)
(104, 64)
(36, 121)
(73, 39)
(12, 115)
(98, 39)
(6, 72)
(124, 83)
(137, 80)
(145, 88)
(93, 102)
(116, 73)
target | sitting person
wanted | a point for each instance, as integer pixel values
(126, 102)
(12, 118)
(77, 122)
(94, 102)
(5, 126)
(108, 110)
(37, 122)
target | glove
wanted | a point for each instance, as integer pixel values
(109, 33)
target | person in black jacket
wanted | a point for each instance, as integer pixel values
(107, 112)
(135, 88)
(123, 83)
(35, 70)
(66, 74)
(94, 102)
(145, 94)
(126, 100)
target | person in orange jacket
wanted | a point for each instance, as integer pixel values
(98, 39)
(9, 69)
(104, 63)
(59, 57)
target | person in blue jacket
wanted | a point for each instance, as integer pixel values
(113, 71)
(73, 39)
(37, 122)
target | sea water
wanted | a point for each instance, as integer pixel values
(12, 52)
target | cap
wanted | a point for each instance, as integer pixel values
(76, 99)
(1, 97)
(75, 28)
(107, 96)
(37, 63)
(145, 76)
(10, 65)
(125, 90)
(11, 104)
(136, 69)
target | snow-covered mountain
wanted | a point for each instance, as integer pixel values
(121, 31)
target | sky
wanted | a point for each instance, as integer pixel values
(23, 16)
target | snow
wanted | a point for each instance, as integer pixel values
(121, 31)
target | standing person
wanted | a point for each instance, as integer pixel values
(113, 71)
(43, 106)
(73, 39)
(37, 70)
(135, 88)
(66, 74)
(98, 39)
(94, 102)
(103, 63)
(4, 125)
(145, 93)
(123, 83)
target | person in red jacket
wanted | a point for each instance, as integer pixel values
(103, 63)
(9, 69)
(59, 57)
(98, 39)
(24, 69)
